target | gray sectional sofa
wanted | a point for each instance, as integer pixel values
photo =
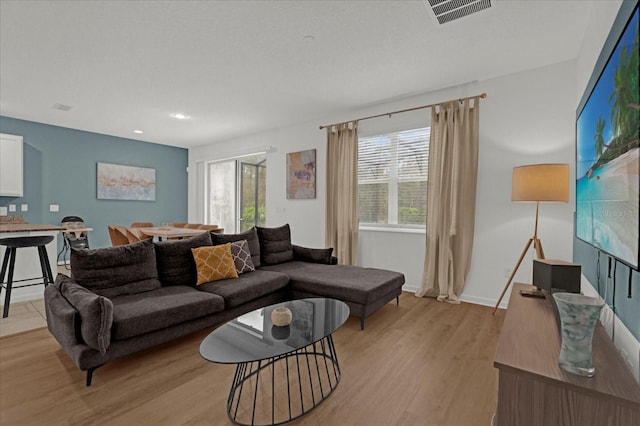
(120, 300)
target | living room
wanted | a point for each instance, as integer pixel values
(528, 117)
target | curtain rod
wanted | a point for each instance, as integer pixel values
(481, 96)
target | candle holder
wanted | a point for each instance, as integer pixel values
(281, 316)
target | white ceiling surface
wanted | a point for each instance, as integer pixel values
(242, 67)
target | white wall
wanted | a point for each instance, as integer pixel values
(529, 119)
(526, 118)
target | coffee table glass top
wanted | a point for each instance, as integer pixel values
(252, 337)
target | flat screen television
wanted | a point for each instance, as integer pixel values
(608, 149)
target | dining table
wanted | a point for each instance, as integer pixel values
(171, 232)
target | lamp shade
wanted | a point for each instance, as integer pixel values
(540, 182)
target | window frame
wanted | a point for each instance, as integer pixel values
(393, 180)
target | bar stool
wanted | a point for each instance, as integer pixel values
(12, 245)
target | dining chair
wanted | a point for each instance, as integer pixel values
(212, 228)
(142, 225)
(193, 225)
(208, 227)
(118, 235)
(179, 224)
(135, 234)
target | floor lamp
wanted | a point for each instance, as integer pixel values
(537, 183)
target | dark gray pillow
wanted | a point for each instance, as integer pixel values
(242, 257)
(313, 255)
(96, 313)
(175, 260)
(113, 271)
(252, 239)
(275, 245)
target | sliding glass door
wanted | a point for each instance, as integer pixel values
(253, 180)
(236, 193)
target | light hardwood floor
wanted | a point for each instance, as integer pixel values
(423, 363)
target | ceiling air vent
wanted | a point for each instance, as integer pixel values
(62, 107)
(450, 10)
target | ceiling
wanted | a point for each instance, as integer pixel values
(241, 67)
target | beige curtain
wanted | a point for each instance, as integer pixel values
(451, 199)
(342, 192)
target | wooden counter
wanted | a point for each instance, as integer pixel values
(27, 227)
(534, 390)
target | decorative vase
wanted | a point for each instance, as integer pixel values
(578, 317)
(281, 316)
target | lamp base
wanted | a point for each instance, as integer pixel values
(532, 293)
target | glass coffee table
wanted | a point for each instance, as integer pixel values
(282, 373)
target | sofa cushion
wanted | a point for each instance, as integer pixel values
(275, 245)
(242, 257)
(314, 255)
(113, 271)
(175, 260)
(142, 313)
(247, 287)
(214, 263)
(344, 282)
(96, 313)
(252, 239)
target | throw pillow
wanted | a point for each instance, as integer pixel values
(313, 255)
(214, 263)
(251, 236)
(242, 257)
(275, 245)
(96, 313)
(175, 260)
(113, 271)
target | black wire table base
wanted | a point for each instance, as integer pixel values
(278, 390)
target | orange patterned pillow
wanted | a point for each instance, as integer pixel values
(214, 263)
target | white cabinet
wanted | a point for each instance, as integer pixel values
(11, 166)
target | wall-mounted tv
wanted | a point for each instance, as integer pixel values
(608, 148)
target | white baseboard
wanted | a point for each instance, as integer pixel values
(481, 301)
(410, 288)
(464, 298)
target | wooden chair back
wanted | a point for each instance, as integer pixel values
(135, 234)
(142, 225)
(118, 235)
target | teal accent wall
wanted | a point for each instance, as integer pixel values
(60, 168)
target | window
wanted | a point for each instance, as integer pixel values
(236, 191)
(392, 178)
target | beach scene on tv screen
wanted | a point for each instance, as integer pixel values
(608, 154)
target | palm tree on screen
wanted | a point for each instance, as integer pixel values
(599, 135)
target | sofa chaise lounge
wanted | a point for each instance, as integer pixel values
(120, 300)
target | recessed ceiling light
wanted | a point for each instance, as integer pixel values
(179, 116)
(138, 132)
(308, 38)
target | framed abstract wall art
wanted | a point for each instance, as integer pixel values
(301, 175)
(118, 182)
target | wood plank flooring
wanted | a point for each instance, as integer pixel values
(423, 363)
